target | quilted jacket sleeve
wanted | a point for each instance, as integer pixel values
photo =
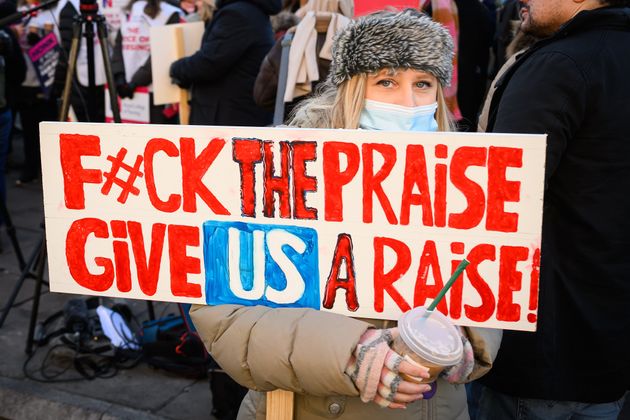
(300, 350)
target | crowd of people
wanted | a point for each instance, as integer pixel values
(233, 77)
(555, 67)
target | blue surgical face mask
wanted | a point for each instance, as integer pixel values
(383, 116)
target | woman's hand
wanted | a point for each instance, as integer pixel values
(460, 372)
(375, 369)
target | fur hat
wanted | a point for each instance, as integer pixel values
(407, 39)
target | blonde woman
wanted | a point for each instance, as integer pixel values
(388, 72)
(390, 69)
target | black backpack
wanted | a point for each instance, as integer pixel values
(168, 343)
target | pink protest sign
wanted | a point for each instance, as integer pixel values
(365, 7)
(46, 44)
(44, 55)
(361, 223)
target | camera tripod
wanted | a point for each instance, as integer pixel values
(33, 268)
(26, 269)
(6, 218)
(88, 17)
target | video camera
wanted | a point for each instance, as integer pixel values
(88, 7)
(77, 317)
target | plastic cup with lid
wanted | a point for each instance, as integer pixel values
(432, 341)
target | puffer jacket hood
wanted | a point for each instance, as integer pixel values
(270, 7)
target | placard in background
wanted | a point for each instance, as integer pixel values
(164, 51)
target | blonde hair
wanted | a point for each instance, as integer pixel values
(341, 107)
(207, 9)
(349, 102)
(443, 115)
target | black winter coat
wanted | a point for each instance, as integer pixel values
(476, 30)
(223, 71)
(575, 87)
(15, 70)
(14, 64)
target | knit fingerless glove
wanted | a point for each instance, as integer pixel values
(367, 363)
(459, 373)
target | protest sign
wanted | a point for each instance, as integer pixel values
(136, 110)
(165, 49)
(361, 223)
(44, 55)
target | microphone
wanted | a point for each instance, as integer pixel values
(18, 16)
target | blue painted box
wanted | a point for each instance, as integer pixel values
(255, 264)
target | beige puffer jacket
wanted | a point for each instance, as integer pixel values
(306, 351)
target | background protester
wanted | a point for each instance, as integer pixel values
(380, 85)
(222, 73)
(508, 24)
(476, 33)
(88, 104)
(202, 10)
(33, 103)
(573, 85)
(286, 19)
(131, 60)
(188, 6)
(12, 72)
(309, 54)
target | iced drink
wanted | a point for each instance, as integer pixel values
(433, 342)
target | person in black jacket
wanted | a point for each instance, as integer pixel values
(574, 87)
(223, 71)
(33, 102)
(12, 72)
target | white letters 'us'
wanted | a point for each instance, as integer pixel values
(276, 239)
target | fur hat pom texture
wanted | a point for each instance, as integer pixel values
(399, 40)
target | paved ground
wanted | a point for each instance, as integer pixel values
(138, 393)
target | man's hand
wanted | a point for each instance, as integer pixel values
(175, 80)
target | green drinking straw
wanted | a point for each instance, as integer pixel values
(462, 265)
